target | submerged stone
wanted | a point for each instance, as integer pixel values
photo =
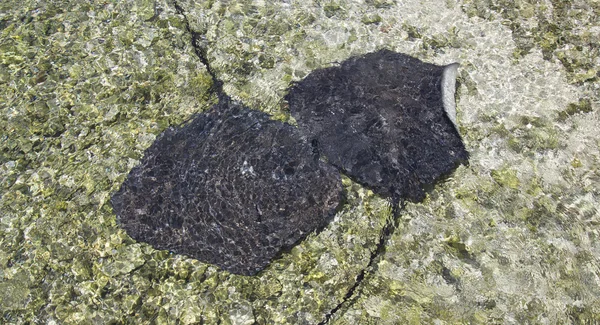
(385, 119)
(232, 188)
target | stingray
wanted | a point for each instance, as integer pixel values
(385, 119)
(234, 188)
(231, 188)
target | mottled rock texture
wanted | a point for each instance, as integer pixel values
(380, 118)
(231, 188)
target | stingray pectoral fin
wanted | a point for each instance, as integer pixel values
(448, 91)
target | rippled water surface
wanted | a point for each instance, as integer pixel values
(512, 238)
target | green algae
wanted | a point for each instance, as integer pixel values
(554, 27)
(582, 106)
(506, 177)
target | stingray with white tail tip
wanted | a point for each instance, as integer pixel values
(233, 187)
(385, 119)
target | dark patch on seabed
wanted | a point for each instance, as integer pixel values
(235, 188)
(231, 188)
(380, 118)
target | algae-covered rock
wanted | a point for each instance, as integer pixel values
(83, 85)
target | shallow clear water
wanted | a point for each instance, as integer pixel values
(512, 238)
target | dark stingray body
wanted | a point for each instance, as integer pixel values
(381, 119)
(231, 188)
